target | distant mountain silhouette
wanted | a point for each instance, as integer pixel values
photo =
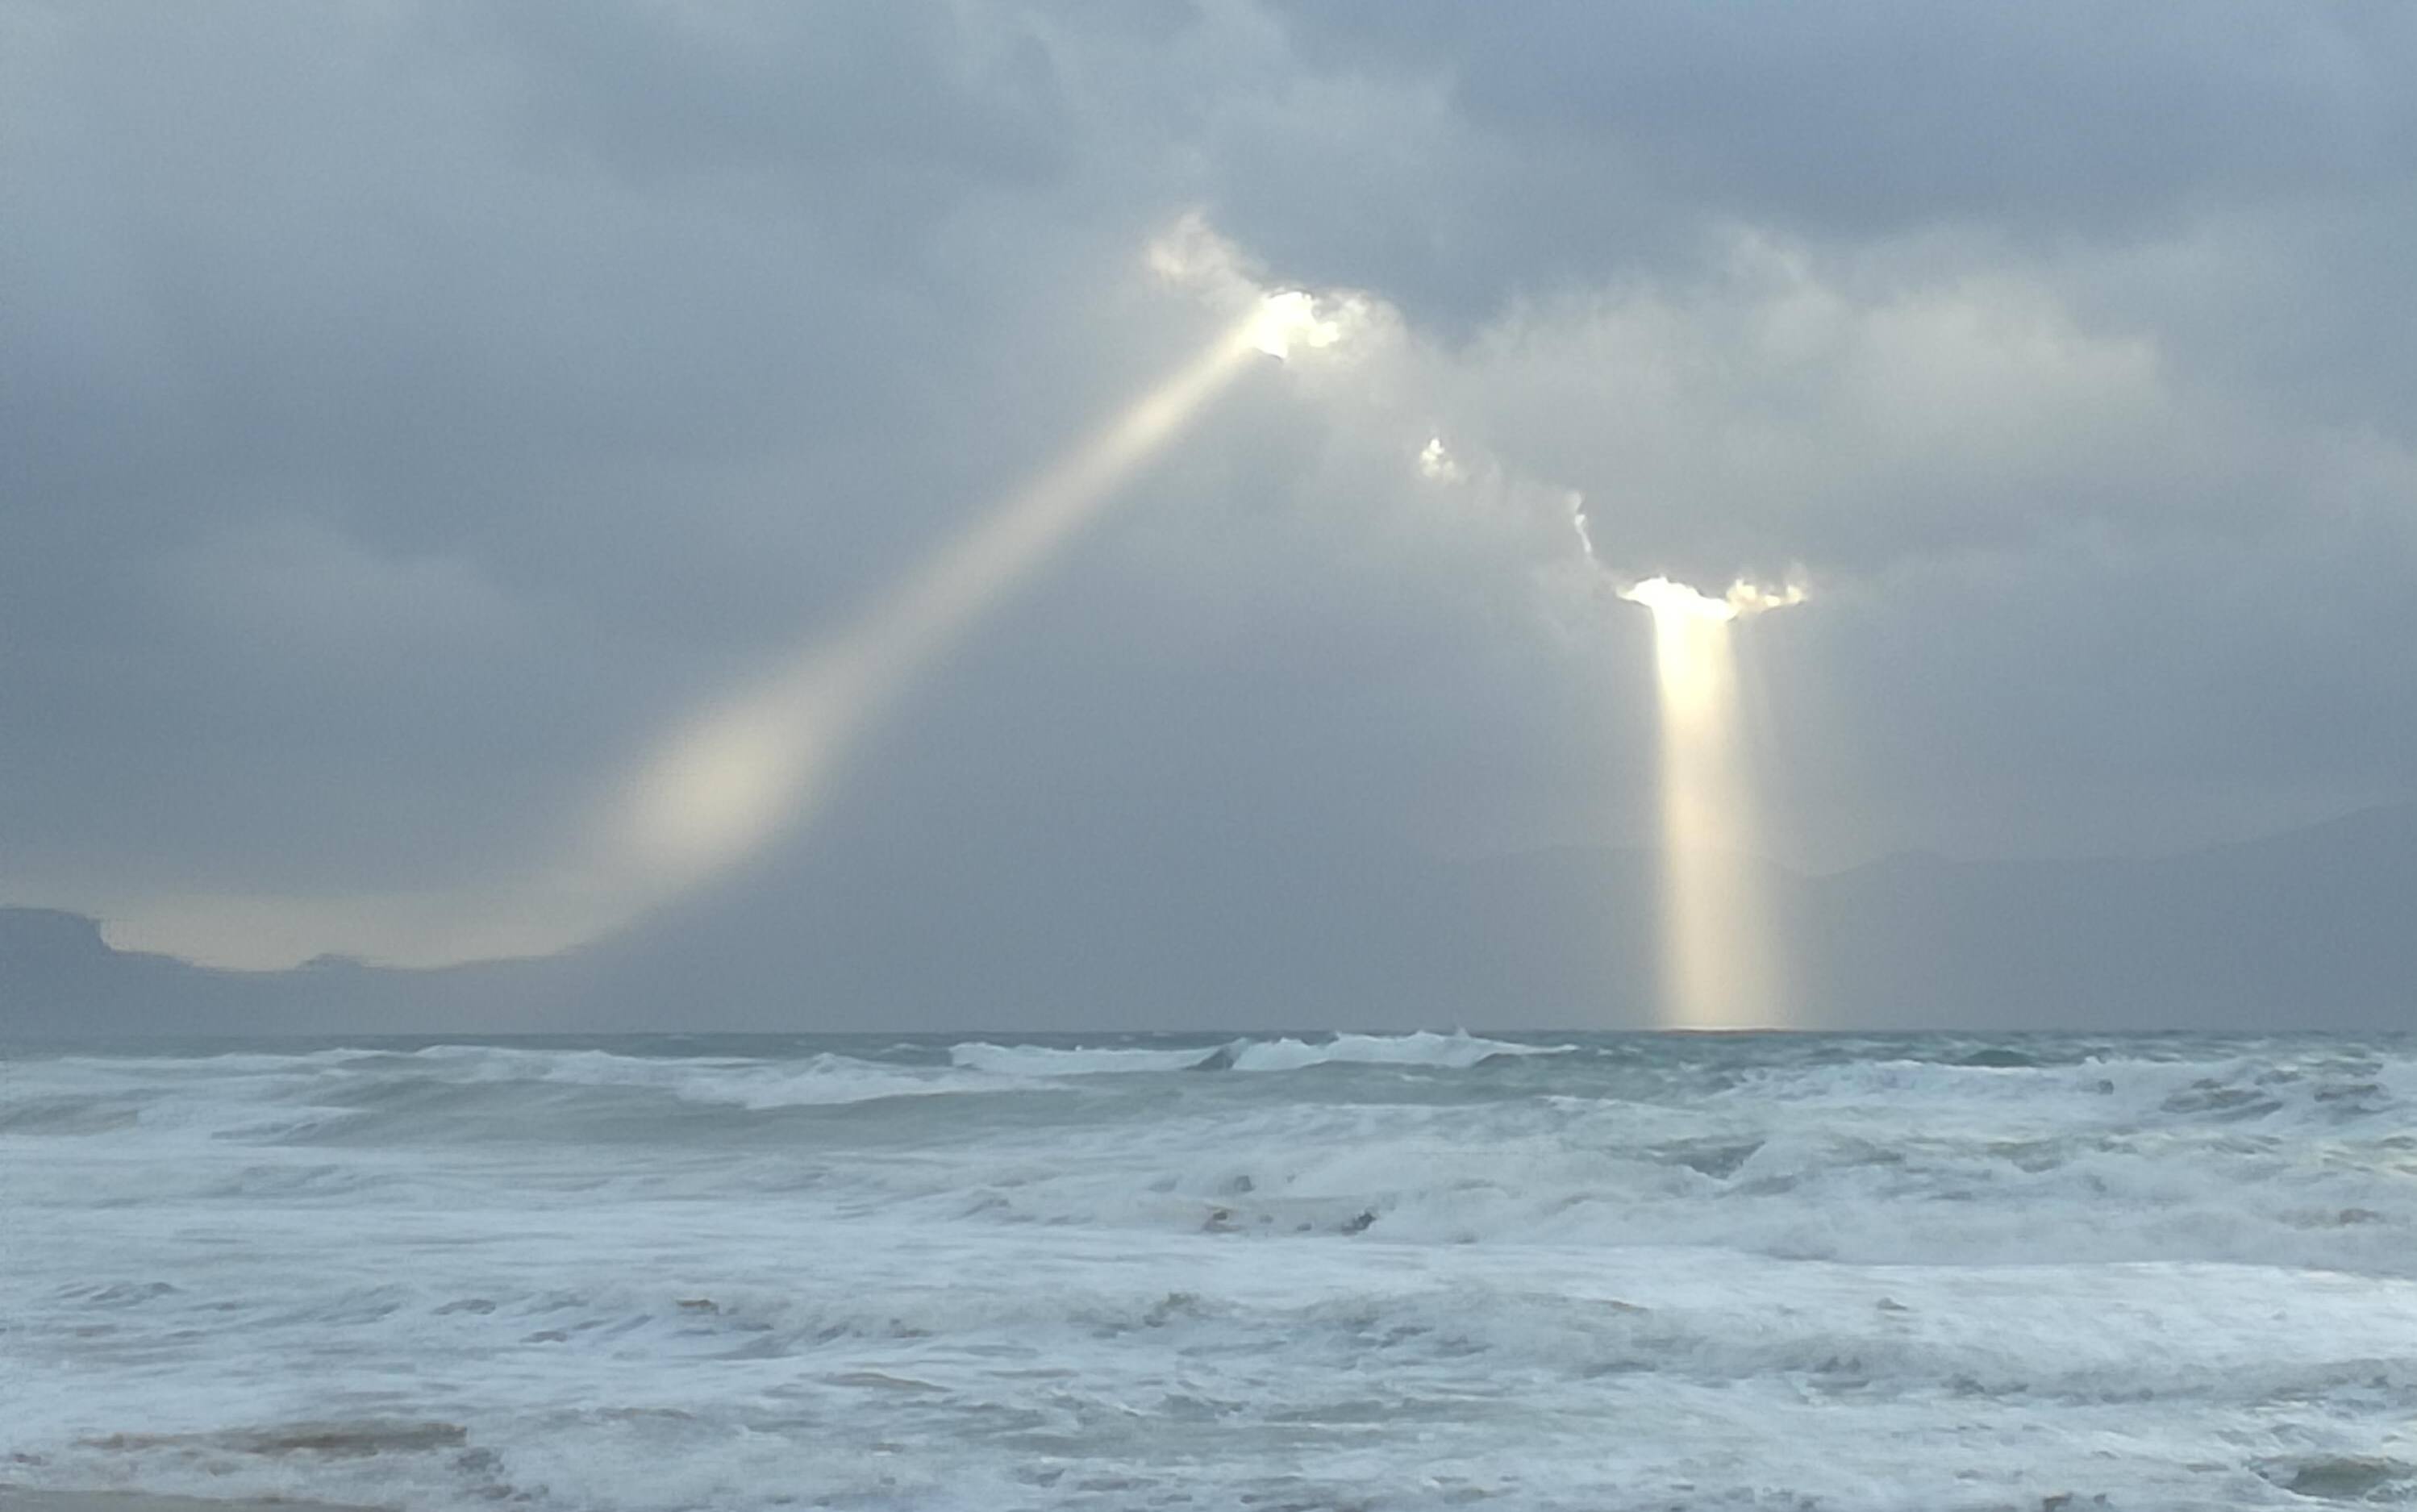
(59, 979)
(2313, 929)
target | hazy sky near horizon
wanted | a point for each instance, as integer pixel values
(415, 411)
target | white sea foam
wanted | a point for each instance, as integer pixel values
(1051, 1061)
(1415, 1271)
(1455, 1052)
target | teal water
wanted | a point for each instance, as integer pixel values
(1430, 1270)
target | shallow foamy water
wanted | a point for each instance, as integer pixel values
(1403, 1271)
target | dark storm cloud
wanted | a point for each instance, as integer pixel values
(390, 372)
(1861, 120)
(414, 412)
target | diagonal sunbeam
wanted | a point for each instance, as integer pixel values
(760, 766)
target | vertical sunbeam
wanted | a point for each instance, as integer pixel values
(1718, 947)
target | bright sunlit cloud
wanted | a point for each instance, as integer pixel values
(1289, 319)
(1436, 463)
(1743, 600)
(1282, 321)
(1746, 599)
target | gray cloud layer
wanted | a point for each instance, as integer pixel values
(413, 414)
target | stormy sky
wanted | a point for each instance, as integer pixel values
(414, 413)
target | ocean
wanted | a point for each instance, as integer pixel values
(1310, 1271)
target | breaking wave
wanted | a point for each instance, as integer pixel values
(1451, 1052)
(1418, 1269)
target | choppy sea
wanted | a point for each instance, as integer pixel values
(1416, 1271)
